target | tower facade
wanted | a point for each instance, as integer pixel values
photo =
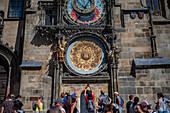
(113, 45)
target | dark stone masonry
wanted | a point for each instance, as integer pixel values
(50, 47)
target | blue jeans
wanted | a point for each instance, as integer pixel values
(161, 111)
(167, 110)
(120, 109)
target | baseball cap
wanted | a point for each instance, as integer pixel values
(116, 93)
(41, 97)
(59, 100)
(145, 103)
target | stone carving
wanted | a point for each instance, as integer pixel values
(55, 54)
(116, 53)
(110, 54)
(61, 52)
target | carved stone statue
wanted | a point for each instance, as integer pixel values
(116, 53)
(110, 54)
(61, 52)
(55, 54)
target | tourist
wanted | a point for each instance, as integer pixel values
(64, 95)
(67, 105)
(18, 101)
(139, 109)
(73, 105)
(58, 103)
(133, 105)
(118, 101)
(108, 108)
(144, 105)
(128, 104)
(53, 110)
(39, 105)
(150, 110)
(103, 100)
(89, 97)
(167, 102)
(7, 105)
(17, 107)
(161, 106)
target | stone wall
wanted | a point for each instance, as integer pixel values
(33, 85)
(162, 33)
(146, 85)
(9, 34)
(134, 42)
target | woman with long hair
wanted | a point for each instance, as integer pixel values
(73, 105)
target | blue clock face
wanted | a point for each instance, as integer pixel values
(85, 55)
(85, 12)
(83, 6)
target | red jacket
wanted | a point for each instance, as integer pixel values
(87, 100)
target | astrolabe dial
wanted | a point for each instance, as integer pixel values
(85, 56)
(83, 6)
(82, 56)
(84, 12)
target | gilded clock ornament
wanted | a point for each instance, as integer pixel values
(83, 6)
(85, 12)
(85, 55)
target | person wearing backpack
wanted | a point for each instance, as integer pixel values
(89, 99)
(133, 105)
(150, 110)
(161, 105)
(128, 104)
(39, 105)
(119, 101)
(103, 100)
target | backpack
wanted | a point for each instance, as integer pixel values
(132, 108)
(104, 99)
(34, 107)
(90, 106)
(122, 101)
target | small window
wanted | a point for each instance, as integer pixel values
(154, 6)
(15, 8)
(3, 85)
(50, 17)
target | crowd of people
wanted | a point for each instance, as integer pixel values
(12, 104)
(133, 105)
(67, 103)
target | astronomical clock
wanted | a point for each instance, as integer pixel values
(85, 54)
(85, 12)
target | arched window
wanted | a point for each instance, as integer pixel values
(15, 8)
(154, 6)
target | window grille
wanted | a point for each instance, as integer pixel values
(15, 8)
(154, 6)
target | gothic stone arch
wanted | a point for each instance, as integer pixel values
(8, 60)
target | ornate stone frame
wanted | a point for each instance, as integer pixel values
(86, 34)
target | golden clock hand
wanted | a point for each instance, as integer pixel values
(86, 4)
